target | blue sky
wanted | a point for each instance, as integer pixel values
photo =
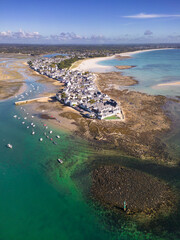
(100, 21)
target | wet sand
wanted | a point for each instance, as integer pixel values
(11, 81)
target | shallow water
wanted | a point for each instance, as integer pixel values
(42, 199)
(152, 68)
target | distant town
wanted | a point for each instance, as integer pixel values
(80, 91)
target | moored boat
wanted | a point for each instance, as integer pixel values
(9, 145)
(60, 160)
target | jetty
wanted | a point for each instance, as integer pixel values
(40, 99)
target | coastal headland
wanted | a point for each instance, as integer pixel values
(139, 135)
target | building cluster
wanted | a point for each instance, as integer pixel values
(80, 90)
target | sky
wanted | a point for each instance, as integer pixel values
(89, 22)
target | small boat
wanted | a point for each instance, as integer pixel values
(59, 160)
(27, 126)
(58, 136)
(23, 122)
(55, 143)
(15, 116)
(9, 145)
(32, 116)
(47, 136)
(32, 124)
(25, 117)
(19, 118)
(45, 133)
(50, 131)
(27, 113)
(40, 139)
(51, 139)
(46, 127)
(33, 133)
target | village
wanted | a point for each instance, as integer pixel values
(80, 91)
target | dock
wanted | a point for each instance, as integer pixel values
(40, 99)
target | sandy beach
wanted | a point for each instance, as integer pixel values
(93, 66)
(168, 84)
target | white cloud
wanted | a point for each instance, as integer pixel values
(70, 38)
(148, 33)
(19, 35)
(144, 16)
(66, 36)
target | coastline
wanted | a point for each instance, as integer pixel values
(93, 66)
(70, 118)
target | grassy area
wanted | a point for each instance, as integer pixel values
(111, 117)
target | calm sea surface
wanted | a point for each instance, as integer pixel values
(152, 68)
(43, 200)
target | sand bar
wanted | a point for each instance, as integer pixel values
(168, 84)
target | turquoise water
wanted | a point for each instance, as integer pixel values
(152, 68)
(44, 200)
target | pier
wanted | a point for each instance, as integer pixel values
(40, 99)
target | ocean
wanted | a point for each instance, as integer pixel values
(44, 200)
(152, 68)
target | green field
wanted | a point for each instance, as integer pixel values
(111, 117)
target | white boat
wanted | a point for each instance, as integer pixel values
(50, 131)
(32, 116)
(9, 145)
(33, 133)
(59, 160)
(15, 116)
(32, 124)
(23, 122)
(40, 139)
(25, 117)
(19, 118)
(58, 136)
(27, 126)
